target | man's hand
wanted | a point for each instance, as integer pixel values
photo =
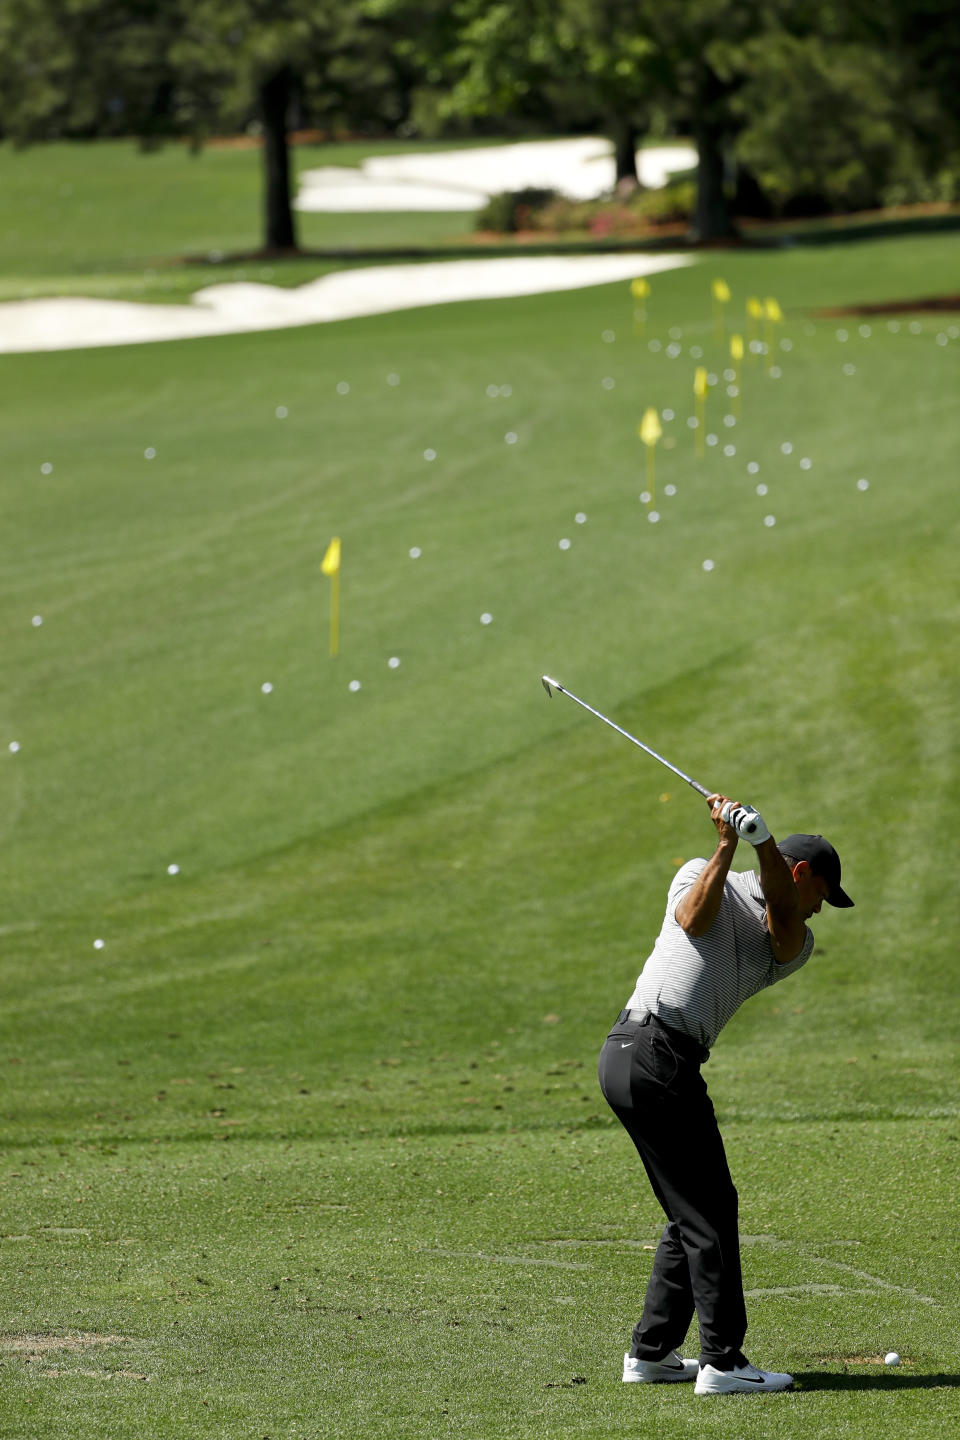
(700, 906)
(748, 823)
(720, 807)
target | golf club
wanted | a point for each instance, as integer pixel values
(550, 685)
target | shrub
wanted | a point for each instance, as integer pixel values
(513, 210)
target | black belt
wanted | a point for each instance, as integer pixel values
(685, 1045)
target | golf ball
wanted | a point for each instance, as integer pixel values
(891, 1358)
(46, 468)
(415, 552)
(486, 618)
(149, 453)
(653, 516)
(769, 521)
(173, 869)
(564, 544)
(393, 379)
(281, 412)
(354, 686)
(343, 388)
(266, 687)
(580, 518)
(393, 662)
(708, 565)
(863, 484)
(14, 746)
(511, 437)
(429, 454)
(37, 621)
(98, 944)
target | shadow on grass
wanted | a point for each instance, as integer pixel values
(830, 1380)
(763, 235)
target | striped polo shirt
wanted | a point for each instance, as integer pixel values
(695, 985)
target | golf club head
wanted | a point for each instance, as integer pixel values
(546, 682)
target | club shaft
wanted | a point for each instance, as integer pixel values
(694, 784)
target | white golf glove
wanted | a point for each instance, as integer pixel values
(748, 823)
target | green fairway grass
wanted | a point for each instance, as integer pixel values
(314, 1141)
(109, 221)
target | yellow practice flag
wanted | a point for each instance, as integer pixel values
(650, 431)
(650, 428)
(754, 313)
(721, 294)
(331, 566)
(736, 355)
(331, 561)
(774, 316)
(640, 290)
(700, 390)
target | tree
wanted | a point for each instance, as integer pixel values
(620, 62)
(255, 57)
(159, 68)
(85, 67)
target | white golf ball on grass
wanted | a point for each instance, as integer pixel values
(891, 1358)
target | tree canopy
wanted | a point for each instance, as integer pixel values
(819, 103)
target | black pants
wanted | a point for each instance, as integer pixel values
(650, 1077)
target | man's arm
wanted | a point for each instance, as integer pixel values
(785, 919)
(700, 905)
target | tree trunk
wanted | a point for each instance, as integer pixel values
(623, 132)
(712, 219)
(274, 105)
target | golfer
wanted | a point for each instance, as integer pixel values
(725, 935)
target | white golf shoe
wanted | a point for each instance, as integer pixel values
(659, 1372)
(741, 1380)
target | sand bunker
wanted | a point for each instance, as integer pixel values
(76, 323)
(465, 179)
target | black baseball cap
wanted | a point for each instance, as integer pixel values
(823, 861)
